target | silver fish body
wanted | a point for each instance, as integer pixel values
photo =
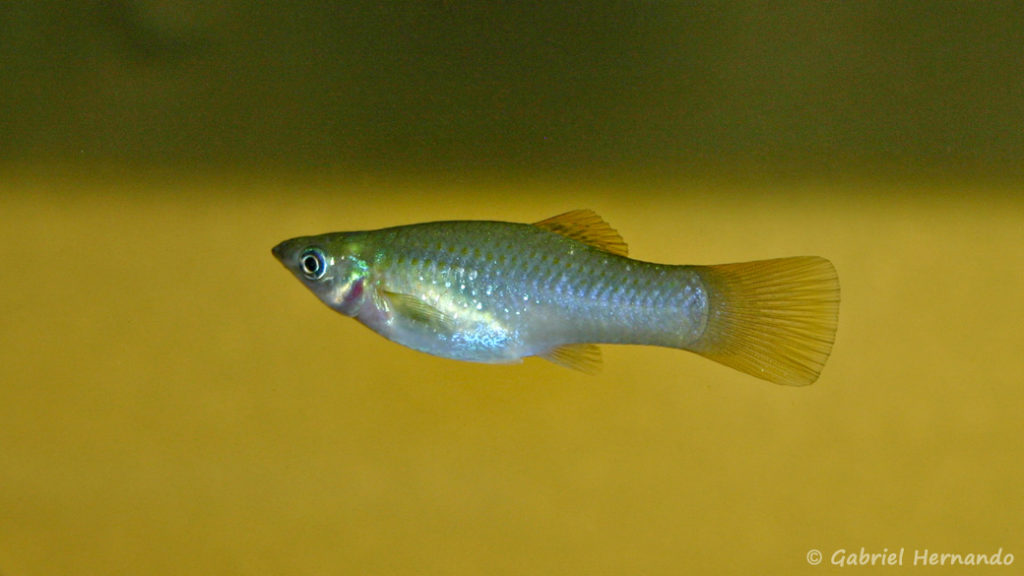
(498, 292)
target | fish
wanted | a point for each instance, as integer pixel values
(497, 292)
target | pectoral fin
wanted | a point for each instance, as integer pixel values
(413, 309)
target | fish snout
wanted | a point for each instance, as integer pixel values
(280, 251)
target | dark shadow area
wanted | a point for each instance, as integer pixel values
(451, 87)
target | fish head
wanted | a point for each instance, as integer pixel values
(330, 266)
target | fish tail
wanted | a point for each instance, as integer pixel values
(773, 319)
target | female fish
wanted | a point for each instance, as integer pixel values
(499, 291)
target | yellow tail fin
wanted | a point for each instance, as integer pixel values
(774, 319)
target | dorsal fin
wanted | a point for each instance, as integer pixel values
(587, 227)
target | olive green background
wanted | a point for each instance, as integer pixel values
(172, 401)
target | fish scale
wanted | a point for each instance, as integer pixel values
(536, 280)
(499, 291)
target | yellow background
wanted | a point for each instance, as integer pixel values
(172, 401)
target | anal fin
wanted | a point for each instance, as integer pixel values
(583, 357)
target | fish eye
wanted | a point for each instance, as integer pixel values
(313, 263)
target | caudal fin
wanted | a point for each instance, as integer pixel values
(774, 319)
